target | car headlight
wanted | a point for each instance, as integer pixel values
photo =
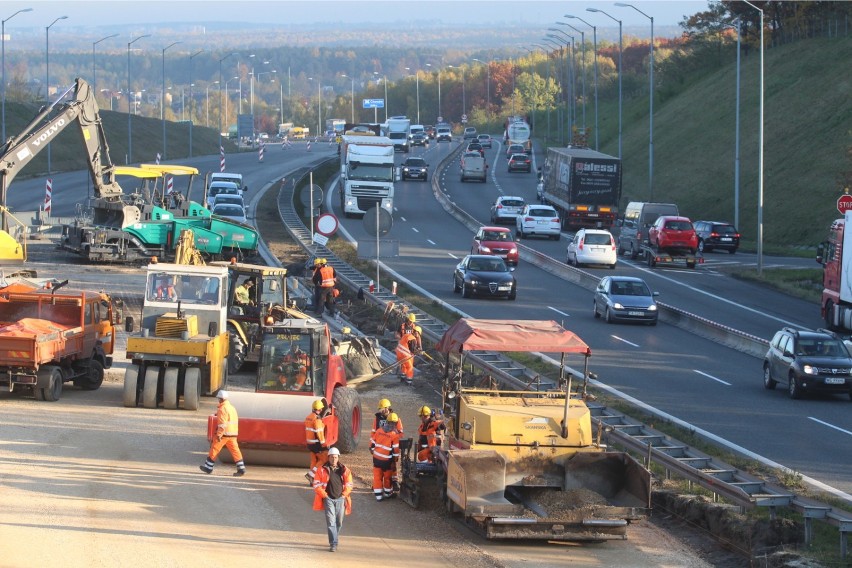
(405, 169)
(809, 370)
(485, 249)
(652, 308)
(473, 281)
(618, 306)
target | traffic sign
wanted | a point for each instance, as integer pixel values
(327, 224)
(844, 203)
(464, 118)
(440, 119)
(373, 103)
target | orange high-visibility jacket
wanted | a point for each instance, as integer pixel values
(327, 275)
(385, 445)
(314, 430)
(227, 419)
(320, 482)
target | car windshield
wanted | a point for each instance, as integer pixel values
(415, 162)
(512, 203)
(396, 135)
(597, 239)
(542, 213)
(679, 226)
(487, 265)
(228, 210)
(821, 347)
(230, 199)
(360, 171)
(622, 288)
(519, 157)
(497, 236)
(724, 229)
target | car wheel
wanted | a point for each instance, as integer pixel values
(732, 251)
(608, 316)
(568, 260)
(465, 290)
(701, 247)
(768, 382)
(455, 286)
(513, 294)
(793, 388)
(620, 250)
(612, 266)
(633, 252)
(519, 234)
(555, 237)
(595, 310)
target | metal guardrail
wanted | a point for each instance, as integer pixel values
(655, 447)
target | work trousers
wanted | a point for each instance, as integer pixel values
(317, 460)
(226, 441)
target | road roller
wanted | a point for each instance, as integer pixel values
(299, 362)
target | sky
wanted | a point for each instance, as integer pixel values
(282, 12)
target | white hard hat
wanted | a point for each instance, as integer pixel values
(223, 394)
(334, 452)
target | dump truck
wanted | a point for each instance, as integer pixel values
(583, 185)
(49, 337)
(272, 419)
(528, 464)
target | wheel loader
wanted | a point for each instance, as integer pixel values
(527, 464)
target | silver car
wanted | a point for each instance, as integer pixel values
(506, 209)
(625, 298)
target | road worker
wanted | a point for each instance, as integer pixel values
(165, 289)
(429, 434)
(324, 279)
(381, 417)
(315, 438)
(407, 325)
(405, 352)
(227, 429)
(418, 335)
(242, 295)
(332, 488)
(294, 368)
(384, 446)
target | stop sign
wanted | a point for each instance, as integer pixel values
(844, 203)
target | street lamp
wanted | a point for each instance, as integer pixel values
(191, 117)
(620, 72)
(227, 94)
(352, 100)
(760, 154)
(3, 86)
(464, 102)
(417, 80)
(535, 87)
(208, 102)
(487, 86)
(583, 61)
(94, 84)
(163, 97)
(47, 74)
(221, 148)
(595, 48)
(129, 95)
(251, 91)
(571, 80)
(651, 103)
(319, 104)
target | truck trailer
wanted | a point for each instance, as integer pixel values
(583, 185)
(366, 173)
(834, 254)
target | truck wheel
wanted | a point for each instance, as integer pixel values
(53, 389)
(768, 382)
(94, 377)
(236, 351)
(191, 388)
(829, 312)
(149, 387)
(348, 405)
(170, 388)
(38, 393)
(131, 380)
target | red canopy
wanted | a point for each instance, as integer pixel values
(509, 335)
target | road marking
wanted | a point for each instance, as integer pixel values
(431, 242)
(558, 312)
(712, 377)
(401, 218)
(830, 425)
(415, 229)
(624, 341)
(451, 255)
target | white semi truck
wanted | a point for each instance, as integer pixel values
(366, 174)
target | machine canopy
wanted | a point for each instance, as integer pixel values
(469, 334)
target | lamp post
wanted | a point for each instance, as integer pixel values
(163, 97)
(220, 98)
(620, 72)
(129, 96)
(319, 104)
(535, 87)
(464, 102)
(547, 81)
(3, 86)
(737, 135)
(208, 102)
(556, 45)
(251, 89)
(94, 83)
(487, 85)
(47, 74)
(760, 154)
(352, 99)
(417, 80)
(595, 48)
(571, 81)
(651, 103)
(191, 117)
(583, 62)
(227, 95)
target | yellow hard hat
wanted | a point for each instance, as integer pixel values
(317, 262)
(412, 317)
(384, 403)
(393, 417)
(317, 405)
(418, 329)
(324, 261)
(424, 411)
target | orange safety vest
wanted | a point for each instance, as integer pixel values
(314, 430)
(429, 433)
(321, 481)
(327, 275)
(385, 445)
(226, 419)
(403, 350)
(380, 420)
(165, 291)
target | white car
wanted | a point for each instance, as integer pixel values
(217, 187)
(592, 246)
(506, 209)
(538, 220)
(232, 212)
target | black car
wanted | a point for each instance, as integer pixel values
(419, 139)
(717, 235)
(520, 163)
(415, 168)
(484, 275)
(816, 361)
(475, 147)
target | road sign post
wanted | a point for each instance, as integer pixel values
(844, 203)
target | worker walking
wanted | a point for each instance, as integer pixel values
(405, 352)
(384, 446)
(315, 438)
(429, 434)
(227, 429)
(324, 280)
(332, 488)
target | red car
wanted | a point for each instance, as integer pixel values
(673, 233)
(497, 241)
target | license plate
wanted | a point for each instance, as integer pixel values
(543, 222)
(504, 288)
(834, 381)
(726, 239)
(596, 249)
(635, 313)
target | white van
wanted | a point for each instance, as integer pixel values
(227, 176)
(416, 129)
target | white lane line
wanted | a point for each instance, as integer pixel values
(558, 312)
(829, 425)
(431, 242)
(451, 255)
(401, 218)
(625, 341)
(712, 377)
(415, 229)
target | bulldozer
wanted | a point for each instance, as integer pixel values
(527, 464)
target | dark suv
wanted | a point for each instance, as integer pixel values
(808, 361)
(717, 235)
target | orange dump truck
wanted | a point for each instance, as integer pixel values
(48, 338)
